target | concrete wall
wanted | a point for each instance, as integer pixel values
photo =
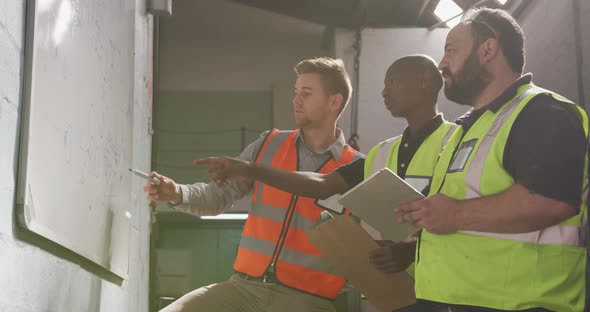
(35, 274)
(344, 42)
(550, 43)
(551, 51)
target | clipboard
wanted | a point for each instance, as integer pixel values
(373, 200)
(345, 244)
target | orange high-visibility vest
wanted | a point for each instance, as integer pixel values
(274, 233)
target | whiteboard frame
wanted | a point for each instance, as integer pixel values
(21, 210)
(30, 8)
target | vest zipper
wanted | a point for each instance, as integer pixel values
(283, 234)
(287, 223)
(285, 227)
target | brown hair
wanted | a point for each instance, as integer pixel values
(333, 75)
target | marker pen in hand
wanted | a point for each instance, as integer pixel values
(146, 176)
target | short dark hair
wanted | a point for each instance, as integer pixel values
(425, 66)
(495, 23)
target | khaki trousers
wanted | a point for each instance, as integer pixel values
(240, 295)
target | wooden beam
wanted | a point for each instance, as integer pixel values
(423, 7)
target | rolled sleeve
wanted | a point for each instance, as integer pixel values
(204, 199)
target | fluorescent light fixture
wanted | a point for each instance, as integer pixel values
(227, 216)
(502, 2)
(447, 9)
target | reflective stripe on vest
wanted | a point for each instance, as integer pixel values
(421, 166)
(383, 154)
(557, 234)
(287, 254)
(541, 269)
(275, 230)
(420, 169)
(279, 214)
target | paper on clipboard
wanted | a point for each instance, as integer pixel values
(373, 200)
(346, 245)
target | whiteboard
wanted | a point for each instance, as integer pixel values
(74, 187)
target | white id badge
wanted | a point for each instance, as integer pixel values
(462, 156)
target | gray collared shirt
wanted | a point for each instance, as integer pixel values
(206, 199)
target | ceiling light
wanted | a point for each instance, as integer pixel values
(449, 10)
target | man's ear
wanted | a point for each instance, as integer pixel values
(336, 102)
(488, 50)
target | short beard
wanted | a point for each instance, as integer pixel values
(468, 84)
